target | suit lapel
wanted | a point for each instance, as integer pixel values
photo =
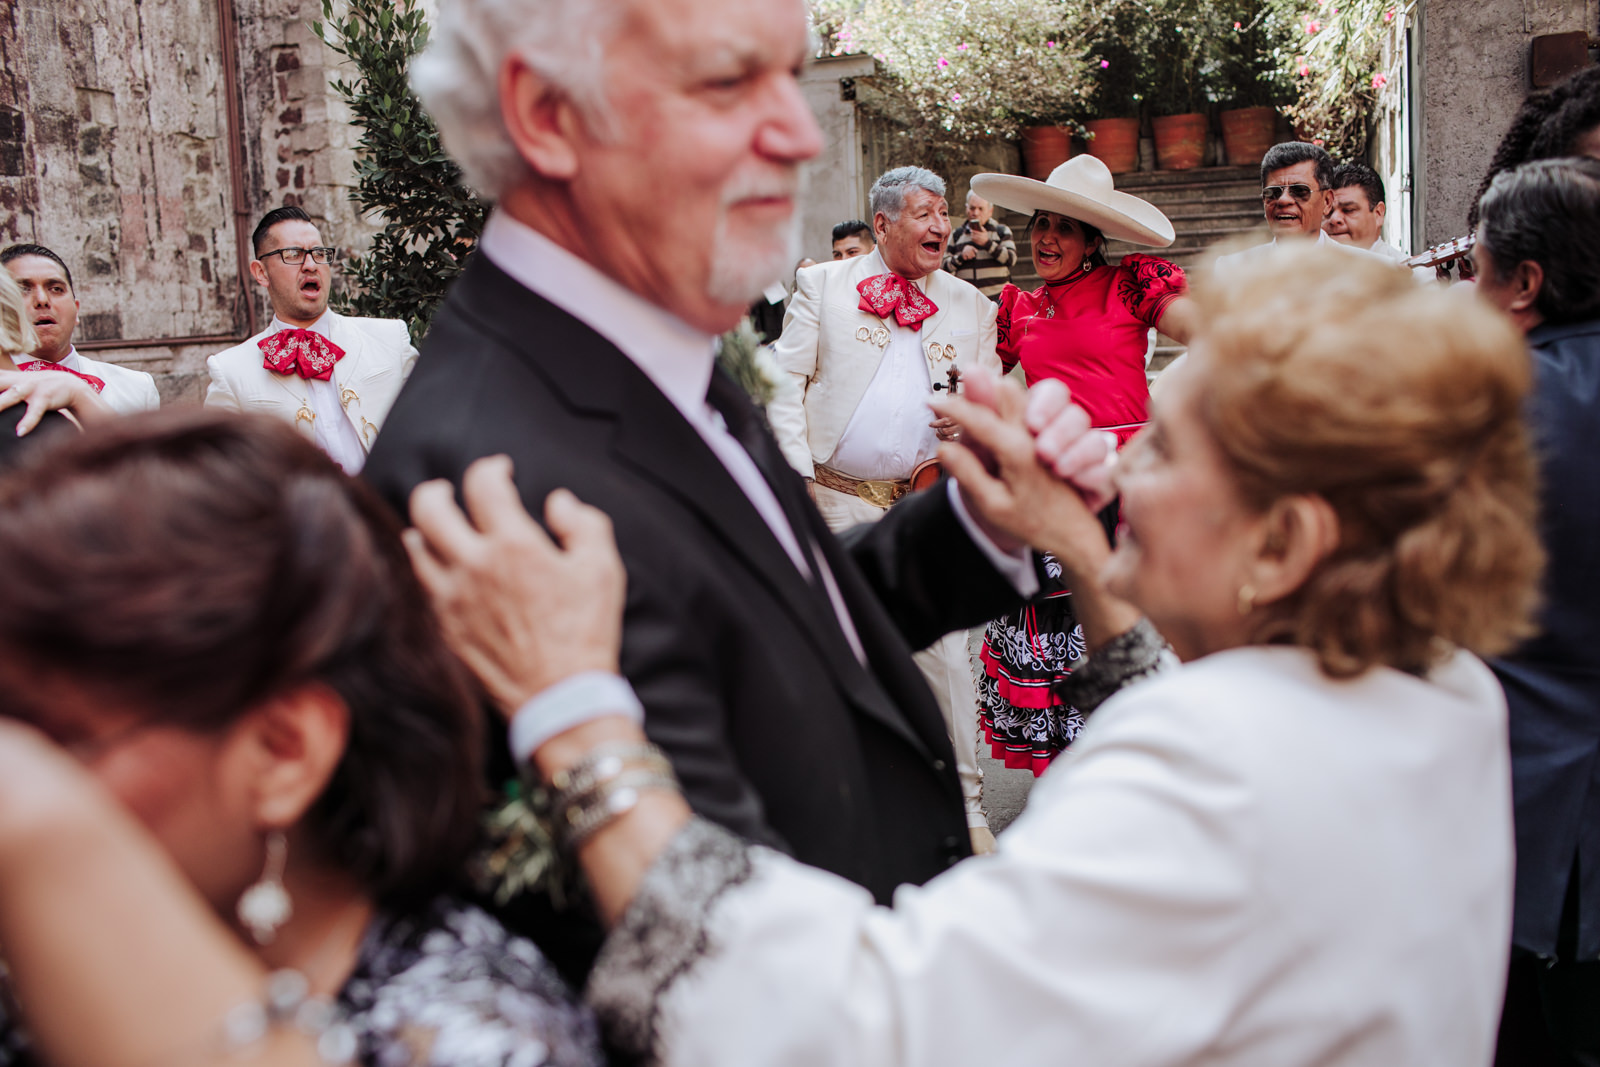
(654, 439)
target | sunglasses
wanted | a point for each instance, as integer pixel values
(1302, 193)
(296, 256)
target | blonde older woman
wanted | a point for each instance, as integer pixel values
(1294, 849)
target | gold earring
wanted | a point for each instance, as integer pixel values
(1247, 599)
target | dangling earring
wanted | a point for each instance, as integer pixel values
(1087, 266)
(1247, 599)
(266, 906)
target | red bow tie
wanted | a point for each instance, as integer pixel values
(886, 293)
(303, 352)
(44, 364)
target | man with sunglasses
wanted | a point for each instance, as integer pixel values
(1296, 195)
(332, 376)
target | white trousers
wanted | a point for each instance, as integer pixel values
(944, 664)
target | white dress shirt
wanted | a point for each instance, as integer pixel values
(334, 434)
(1234, 259)
(679, 359)
(888, 433)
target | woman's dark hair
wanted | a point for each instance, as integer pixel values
(186, 566)
(1548, 125)
(1097, 258)
(1548, 211)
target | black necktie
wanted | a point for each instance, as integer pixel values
(728, 399)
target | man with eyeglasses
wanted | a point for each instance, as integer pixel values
(52, 304)
(332, 376)
(1296, 195)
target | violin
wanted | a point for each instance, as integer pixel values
(929, 471)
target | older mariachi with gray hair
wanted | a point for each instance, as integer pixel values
(889, 192)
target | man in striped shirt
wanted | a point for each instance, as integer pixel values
(982, 251)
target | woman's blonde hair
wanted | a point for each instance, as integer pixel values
(1401, 406)
(16, 332)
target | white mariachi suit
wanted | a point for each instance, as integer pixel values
(342, 415)
(853, 397)
(128, 392)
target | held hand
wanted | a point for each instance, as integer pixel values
(1006, 486)
(980, 236)
(521, 609)
(946, 429)
(1065, 443)
(45, 391)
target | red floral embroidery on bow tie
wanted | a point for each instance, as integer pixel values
(303, 352)
(44, 364)
(884, 294)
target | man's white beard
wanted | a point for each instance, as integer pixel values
(742, 270)
(739, 274)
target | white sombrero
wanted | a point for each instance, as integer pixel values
(1082, 189)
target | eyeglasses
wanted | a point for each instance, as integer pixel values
(1301, 193)
(296, 256)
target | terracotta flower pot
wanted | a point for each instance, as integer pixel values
(1115, 143)
(1247, 133)
(1044, 148)
(1180, 141)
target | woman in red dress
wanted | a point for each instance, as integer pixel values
(1089, 326)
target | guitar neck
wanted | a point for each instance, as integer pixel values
(1448, 252)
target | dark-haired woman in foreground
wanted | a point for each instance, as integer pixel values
(225, 631)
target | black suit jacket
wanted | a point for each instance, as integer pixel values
(776, 730)
(1552, 682)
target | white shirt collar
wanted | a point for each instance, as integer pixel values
(322, 325)
(876, 266)
(675, 356)
(65, 361)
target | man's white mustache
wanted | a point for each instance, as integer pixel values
(762, 187)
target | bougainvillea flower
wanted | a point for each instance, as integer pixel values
(943, 62)
(1304, 71)
(1104, 63)
(1379, 81)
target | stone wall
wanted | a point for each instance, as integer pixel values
(1474, 76)
(114, 151)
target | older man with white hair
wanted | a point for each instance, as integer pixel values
(865, 343)
(770, 658)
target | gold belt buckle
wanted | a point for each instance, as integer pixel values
(879, 494)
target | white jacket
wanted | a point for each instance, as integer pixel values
(378, 357)
(1240, 863)
(828, 365)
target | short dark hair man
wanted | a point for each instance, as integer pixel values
(52, 305)
(852, 238)
(1536, 262)
(1296, 194)
(1356, 218)
(332, 376)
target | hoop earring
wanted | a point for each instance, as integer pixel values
(1087, 266)
(266, 906)
(1247, 599)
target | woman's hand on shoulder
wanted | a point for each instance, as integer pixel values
(46, 391)
(524, 608)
